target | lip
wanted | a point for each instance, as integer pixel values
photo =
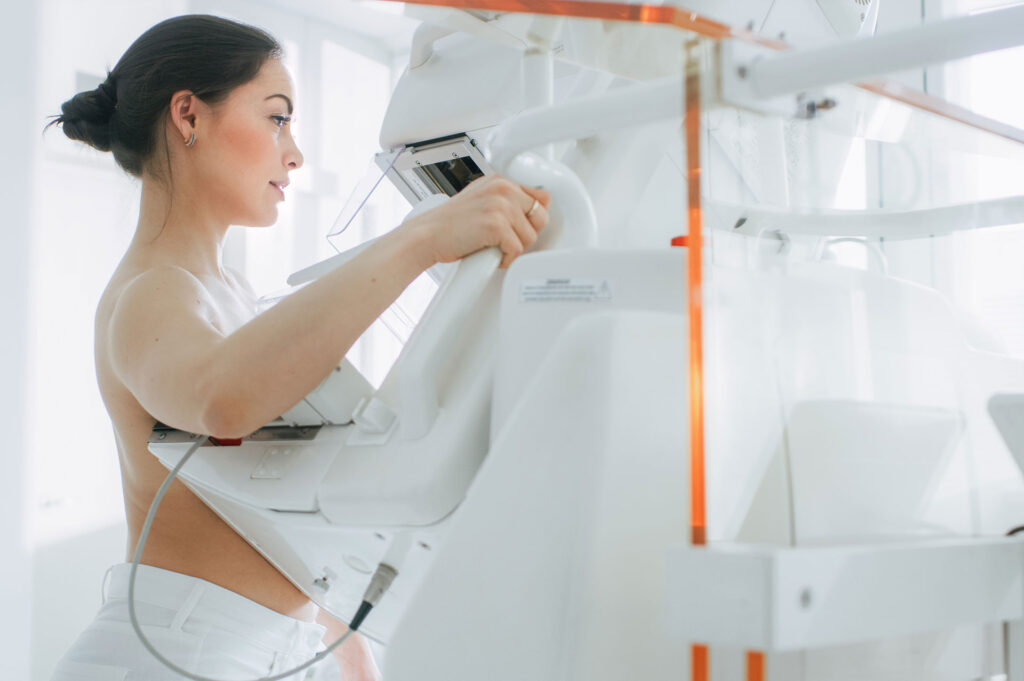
(279, 186)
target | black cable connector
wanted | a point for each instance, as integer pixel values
(361, 613)
(379, 584)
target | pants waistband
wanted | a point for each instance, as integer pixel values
(190, 596)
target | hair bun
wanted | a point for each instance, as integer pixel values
(206, 55)
(86, 116)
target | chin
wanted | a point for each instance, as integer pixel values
(262, 220)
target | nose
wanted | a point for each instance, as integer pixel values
(293, 157)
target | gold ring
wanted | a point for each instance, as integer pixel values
(534, 207)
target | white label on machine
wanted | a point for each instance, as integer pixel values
(564, 291)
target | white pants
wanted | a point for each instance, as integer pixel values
(201, 627)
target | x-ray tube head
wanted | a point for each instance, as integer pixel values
(443, 166)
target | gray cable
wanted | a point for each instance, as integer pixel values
(131, 588)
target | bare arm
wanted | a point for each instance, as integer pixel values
(353, 656)
(188, 375)
(185, 373)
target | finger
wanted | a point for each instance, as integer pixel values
(538, 218)
(524, 227)
(511, 247)
(541, 195)
(478, 181)
(519, 195)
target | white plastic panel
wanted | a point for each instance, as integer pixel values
(552, 568)
(790, 599)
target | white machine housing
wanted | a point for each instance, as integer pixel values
(532, 438)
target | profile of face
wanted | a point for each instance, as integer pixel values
(239, 165)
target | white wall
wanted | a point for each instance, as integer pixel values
(17, 50)
(84, 213)
(66, 582)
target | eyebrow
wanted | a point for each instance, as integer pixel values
(285, 98)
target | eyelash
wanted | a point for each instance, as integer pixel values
(281, 121)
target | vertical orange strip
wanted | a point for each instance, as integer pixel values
(694, 275)
(699, 663)
(755, 666)
(691, 122)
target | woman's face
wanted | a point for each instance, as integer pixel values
(245, 150)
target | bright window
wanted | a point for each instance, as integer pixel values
(987, 263)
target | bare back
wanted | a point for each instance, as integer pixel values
(186, 537)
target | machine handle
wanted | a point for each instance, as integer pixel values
(571, 223)
(433, 338)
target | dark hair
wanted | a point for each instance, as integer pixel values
(205, 54)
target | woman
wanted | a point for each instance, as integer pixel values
(199, 108)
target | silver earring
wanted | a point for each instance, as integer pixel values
(191, 140)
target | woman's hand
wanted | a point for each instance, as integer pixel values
(490, 211)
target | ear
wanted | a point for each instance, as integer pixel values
(185, 110)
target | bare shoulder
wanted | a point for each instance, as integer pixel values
(168, 282)
(160, 343)
(164, 290)
(163, 302)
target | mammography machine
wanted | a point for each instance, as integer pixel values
(677, 439)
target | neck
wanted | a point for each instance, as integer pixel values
(177, 228)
